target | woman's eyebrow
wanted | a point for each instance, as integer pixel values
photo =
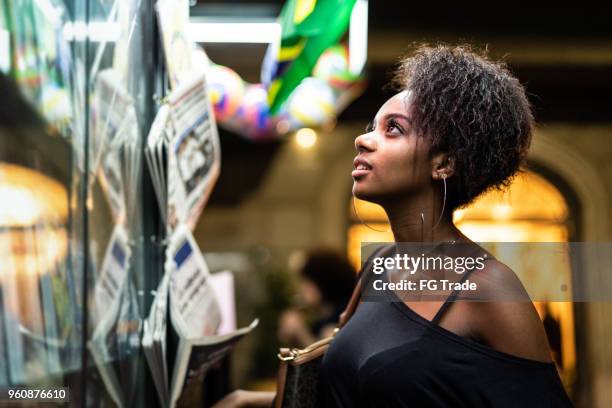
(398, 115)
(388, 116)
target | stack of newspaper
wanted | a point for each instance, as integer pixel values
(188, 290)
(183, 155)
(115, 157)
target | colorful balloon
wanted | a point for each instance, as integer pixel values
(253, 115)
(311, 104)
(226, 90)
(244, 108)
(333, 67)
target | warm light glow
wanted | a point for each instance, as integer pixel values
(530, 197)
(360, 233)
(306, 138)
(501, 211)
(32, 252)
(458, 215)
(18, 206)
(366, 210)
(33, 215)
(29, 196)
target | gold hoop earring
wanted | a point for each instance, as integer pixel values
(362, 221)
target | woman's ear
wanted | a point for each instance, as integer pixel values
(443, 166)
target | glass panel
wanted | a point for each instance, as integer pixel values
(76, 79)
(41, 133)
(119, 104)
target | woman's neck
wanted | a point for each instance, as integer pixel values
(420, 219)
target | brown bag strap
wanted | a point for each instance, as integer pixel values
(356, 296)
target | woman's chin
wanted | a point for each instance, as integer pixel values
(362, 193)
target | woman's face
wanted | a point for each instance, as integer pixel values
(392, 161)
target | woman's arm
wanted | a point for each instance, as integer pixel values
(246, 399)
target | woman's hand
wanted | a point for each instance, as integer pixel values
(246, 399)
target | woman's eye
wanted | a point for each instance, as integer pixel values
(370, 127)
(394, 127)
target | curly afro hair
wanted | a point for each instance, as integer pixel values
(471, 108)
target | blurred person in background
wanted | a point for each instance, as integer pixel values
(326, 283)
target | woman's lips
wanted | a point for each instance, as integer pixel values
(361, 167)
(359, 173)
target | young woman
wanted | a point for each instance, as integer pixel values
(460, 126)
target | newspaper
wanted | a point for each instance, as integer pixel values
(115, 143)
(173, 17)
(103, 353)
(154, 341)
(112, 273)
(194, 355)
(156, 154)
(194, 152)
(112, 112)
(194, 308)
(115, 342)
(223, 285)
(183, 153)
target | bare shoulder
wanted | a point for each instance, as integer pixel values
(496, 281)
(507, 319)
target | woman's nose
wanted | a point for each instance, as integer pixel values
(365, 142)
